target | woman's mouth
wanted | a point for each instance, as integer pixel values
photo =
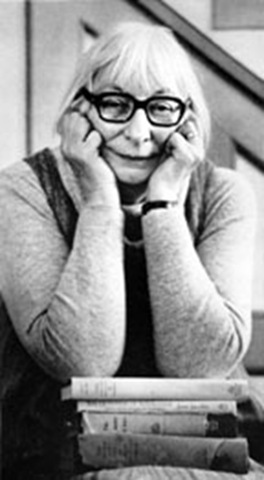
(131, 168)
(133, 157)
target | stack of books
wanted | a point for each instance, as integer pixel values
(190, 423)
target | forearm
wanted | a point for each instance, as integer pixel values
(196, 333)
(82, 330)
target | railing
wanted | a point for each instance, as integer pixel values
(205, 48)
(247, 89)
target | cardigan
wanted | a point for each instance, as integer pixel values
(30, 393)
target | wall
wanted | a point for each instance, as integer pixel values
(246, 45)
(57, 41)
(12, 82)
(257, 181)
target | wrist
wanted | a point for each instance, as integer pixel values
(103, 197)
(176, 193)
(158, 204)
(162, 192)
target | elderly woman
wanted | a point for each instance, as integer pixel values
(124, 251)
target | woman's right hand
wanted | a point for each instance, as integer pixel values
(80, 147)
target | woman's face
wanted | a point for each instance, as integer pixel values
(132, 149)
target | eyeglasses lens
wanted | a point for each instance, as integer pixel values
(165, 111)
(115, 108)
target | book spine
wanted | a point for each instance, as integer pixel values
(124, 450)
(158, 406)
(155, 388)
(194, 424)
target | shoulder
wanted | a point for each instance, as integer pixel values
(229, 191)
(19, 186)
(16, 175)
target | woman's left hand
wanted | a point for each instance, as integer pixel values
(183, 151)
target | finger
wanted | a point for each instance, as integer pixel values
(181, 147)
(75, 126)
(191, 132)
(69, 125)
(80, 105)
(94, 140)
(190, 129)
(175, 142)
(75, 105)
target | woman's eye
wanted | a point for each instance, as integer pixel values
(114, 103)
(115, 108)
(165, 107)
(110, 103)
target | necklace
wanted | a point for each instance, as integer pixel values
(134, 243)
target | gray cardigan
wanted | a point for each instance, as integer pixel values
(177, 303)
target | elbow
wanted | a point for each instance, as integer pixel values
(102, 366)
(67, 355)
(82, 366)
(95, 362)
(217, 358)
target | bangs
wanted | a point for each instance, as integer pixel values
(140, 55)
(146, 61)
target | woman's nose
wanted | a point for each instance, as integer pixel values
(138, 129)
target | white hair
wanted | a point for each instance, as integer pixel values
(149, 55)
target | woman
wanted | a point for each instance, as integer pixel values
(129, 253)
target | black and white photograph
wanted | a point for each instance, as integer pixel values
(132, 240)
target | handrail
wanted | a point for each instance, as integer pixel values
(205, 48)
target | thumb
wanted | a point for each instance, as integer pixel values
(94, 139)
(174, 142)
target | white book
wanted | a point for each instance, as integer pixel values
(186, 424)
(157, 406)
(95, 388)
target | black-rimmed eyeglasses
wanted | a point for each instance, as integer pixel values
(161, 110)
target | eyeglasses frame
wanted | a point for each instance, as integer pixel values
(138, 104)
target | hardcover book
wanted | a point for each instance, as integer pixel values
(124, 450)
(157, 406)
(192, 424)
(154, 388)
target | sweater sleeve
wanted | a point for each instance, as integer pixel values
(201, 295)
(67, 308)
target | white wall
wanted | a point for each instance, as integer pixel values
(247, 46)
(12, 82)
(57, 43)
(257, 181)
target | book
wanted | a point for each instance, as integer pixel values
(188, 424)
(154, 388)
(159, 406)
(124, 450)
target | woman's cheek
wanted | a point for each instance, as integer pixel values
(108, 131)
